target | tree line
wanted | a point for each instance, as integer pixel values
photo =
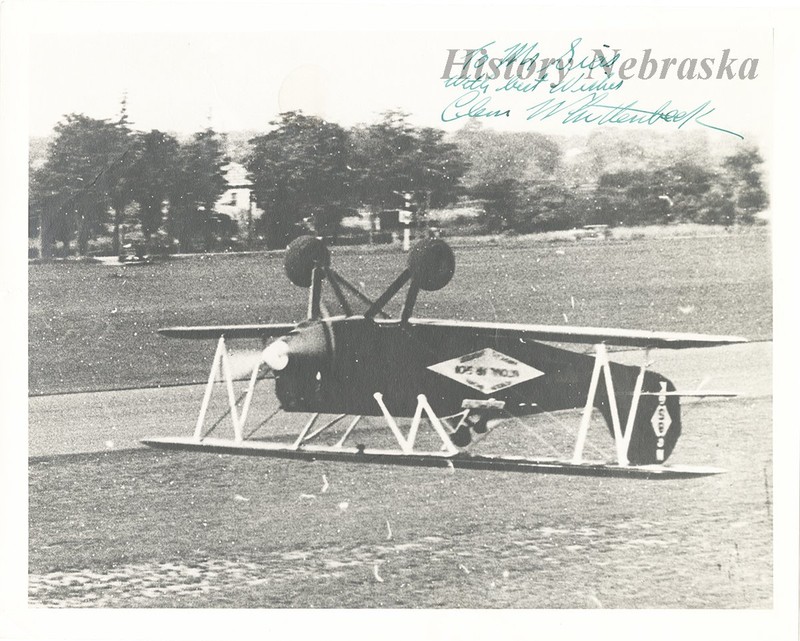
(309, 168)
(530, 182)
(99, 175)
(97, 171)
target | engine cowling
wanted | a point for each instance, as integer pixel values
(300, 360)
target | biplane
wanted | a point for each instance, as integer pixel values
(460, 378)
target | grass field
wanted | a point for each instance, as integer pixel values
(93, 326)
(142, 528)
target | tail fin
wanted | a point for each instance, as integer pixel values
(656, 426)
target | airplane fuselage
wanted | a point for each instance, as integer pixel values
(337, 365)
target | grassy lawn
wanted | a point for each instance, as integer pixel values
(94, 327)
(142, 528)
(156, 529)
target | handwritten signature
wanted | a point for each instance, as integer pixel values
(592, 109)
(472, 105)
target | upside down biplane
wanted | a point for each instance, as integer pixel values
(464, 377)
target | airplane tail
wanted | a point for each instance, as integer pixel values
(656, 424)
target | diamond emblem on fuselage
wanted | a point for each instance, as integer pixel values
(487, 370)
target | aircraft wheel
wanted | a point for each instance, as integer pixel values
(432, 264)
(302, 255)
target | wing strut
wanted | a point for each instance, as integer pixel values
(621, 439)
(221, 361)
(450, 455)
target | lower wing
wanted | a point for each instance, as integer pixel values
(565, 334)
(229, 331)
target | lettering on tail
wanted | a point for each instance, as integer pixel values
(661, 420)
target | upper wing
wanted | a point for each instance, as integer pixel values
(229, 331)
(564, 334)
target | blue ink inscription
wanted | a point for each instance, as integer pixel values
(517, 73)
(472, 105)
(592, 110)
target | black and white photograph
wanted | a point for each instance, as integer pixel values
(432, 313)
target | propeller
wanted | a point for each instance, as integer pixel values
(242, 362)
(276, 355)
(309, 342)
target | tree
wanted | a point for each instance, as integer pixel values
(119, 177)
(717, 208)
(152, 177)
(513, 206)
(393, 157)
(494, 156)
(680, 190)
(644, 196)
(197, 181)
(439, 167)
(548, 206)
(744, 180)
(299, 170)
(503, 202)
(383, 157)
(71, 189)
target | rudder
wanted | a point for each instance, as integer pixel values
(657, 423)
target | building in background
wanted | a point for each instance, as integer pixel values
(238, 201)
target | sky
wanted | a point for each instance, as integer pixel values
(182, 82)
